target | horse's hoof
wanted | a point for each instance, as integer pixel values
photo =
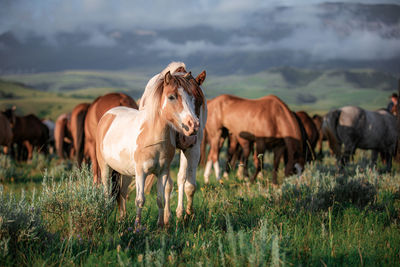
(188, 215)
(221, 182)
(179, 213)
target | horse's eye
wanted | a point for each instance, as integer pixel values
(171, 97)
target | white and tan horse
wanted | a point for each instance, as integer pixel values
(189, 146)
(139, 143)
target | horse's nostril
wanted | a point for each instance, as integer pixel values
(185, 127)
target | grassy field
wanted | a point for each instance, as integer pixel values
(51, 214)
(50, 94)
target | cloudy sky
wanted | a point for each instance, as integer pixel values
(195, 28)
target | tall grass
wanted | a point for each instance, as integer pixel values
(321, 218)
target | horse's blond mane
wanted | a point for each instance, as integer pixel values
(152, 84)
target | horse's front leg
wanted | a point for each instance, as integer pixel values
(164, 188)
(181, 184)
(192, 156)
(140, 199)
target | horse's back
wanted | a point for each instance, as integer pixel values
(30, 128)
(367, 129)
(100, 106)
(116, 137)
(265, 117)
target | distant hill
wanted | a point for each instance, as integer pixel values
(50, 94)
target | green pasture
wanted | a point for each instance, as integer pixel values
(51, 214)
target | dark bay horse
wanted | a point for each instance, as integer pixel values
(77, 128)
(28, 132)
(267, 122)
(95, 111)
(355, 127)
(6, 135)
(136, 143)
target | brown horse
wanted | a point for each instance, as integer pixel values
(95, 111)
(267, 122)
(6, 136)
(63, 137)
(312, 134)
(318, 120)
(77, 126)
(139, 143)
(28, 132)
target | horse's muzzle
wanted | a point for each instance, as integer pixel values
(190, 126)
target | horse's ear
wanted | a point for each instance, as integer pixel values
(167, 78)
(201, 77)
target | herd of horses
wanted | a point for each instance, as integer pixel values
(132, 144)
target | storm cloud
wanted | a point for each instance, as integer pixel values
(185, 29)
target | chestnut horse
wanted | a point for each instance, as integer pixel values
(267, 122)
(139, 143)
(77, 125)
(62, 136)
(95, 111)
(189, 146)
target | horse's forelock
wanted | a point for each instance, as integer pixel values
(154, 99)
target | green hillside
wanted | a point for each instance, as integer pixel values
(50, 94)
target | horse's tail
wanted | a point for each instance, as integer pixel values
(203, 151)
(115, 184)
(329, 129)
(59, 134)
(77, 130)
(305, 150)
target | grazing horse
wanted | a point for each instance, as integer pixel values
(189, 146)
(358, 128)
(95, 111)
(139, 143)
(267, 122)
(6, 136)
(50, 125)
(77, 125)
(312, 134)
(63, 137)
(29, 132)
(318, 120)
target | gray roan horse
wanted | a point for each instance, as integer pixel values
(358, 128)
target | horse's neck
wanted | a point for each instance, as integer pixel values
(158, 132)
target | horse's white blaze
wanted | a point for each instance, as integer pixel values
(121, 139)
(188, 105)
(164, 104)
